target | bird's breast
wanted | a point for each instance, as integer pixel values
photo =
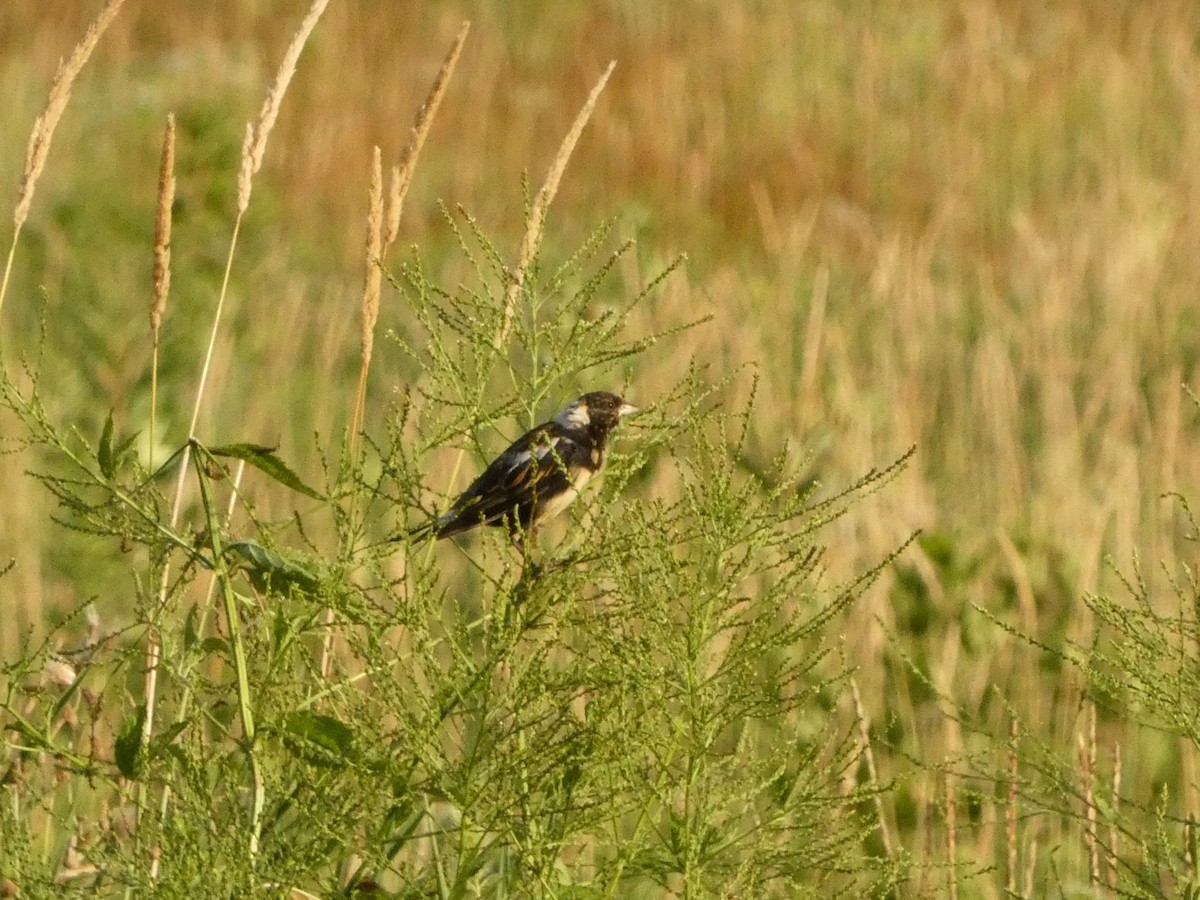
(554, 505)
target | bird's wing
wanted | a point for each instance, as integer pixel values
(535, 466)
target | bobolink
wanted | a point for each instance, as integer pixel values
(539, 475)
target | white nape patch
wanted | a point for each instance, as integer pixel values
(574, 415)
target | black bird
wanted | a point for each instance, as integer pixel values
(539, 475)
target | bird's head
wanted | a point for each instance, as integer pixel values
(600, 410)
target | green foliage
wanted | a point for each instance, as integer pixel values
(643, 704)
(961, 225)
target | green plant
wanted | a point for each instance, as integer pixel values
(643, 705)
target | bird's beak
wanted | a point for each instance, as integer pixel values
(627, 409)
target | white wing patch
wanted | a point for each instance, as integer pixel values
(551, 450)
(523, 458)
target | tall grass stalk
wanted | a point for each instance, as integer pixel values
(864, 737)
(1010, 806)
(1113, 851)
(186, 695)
(1087, 774)
(541, 205)
(253, 151)
(383, 225)
(950, 807)
(233, 618)
(43, 129)
(383, 229)
(162, 270)
(372, 288)
(402, 174)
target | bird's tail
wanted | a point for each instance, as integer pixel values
(419, 533)
(431, 528)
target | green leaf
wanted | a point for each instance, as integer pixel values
(190, 634)
(128, 746)
(265, 460)
(124, 447)
(109, 456)
(326, 732)
(35, 738)
(214, 644)
(66, 697)
(282, 630)
(104, 453)
(163, 745)
(174, 751)
(171, 732)
(269, 571)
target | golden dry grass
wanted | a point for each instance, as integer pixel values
(968, 226)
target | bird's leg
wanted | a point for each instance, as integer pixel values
(525, 581)
(518, 541)
(530, 569)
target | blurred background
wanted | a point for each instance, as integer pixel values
(968, 225)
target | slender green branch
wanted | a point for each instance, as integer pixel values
(233, 623)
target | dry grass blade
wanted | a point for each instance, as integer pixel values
(1087, 770)
(951, 835)
(1010, 806)
(541, 202)
(60, 93)
(162, 265)
(810, 368)
(162, 228)
(256, 139)
(381, 238)
(253, 148)
(1114, 832)
(43, 128)
(372, 288)
(864, 734)
(374, 279)
(402, 174)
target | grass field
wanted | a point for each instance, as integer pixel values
(968, 227)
